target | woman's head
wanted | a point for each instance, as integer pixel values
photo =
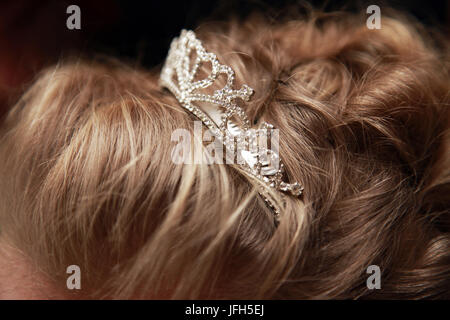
(88, 177)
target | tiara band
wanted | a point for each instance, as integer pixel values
(222, 115)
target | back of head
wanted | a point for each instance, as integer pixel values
(88, 176)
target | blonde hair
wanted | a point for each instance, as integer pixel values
(87, 176)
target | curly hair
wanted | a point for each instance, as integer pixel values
(363, 116)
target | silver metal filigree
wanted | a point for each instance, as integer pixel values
(221, 113)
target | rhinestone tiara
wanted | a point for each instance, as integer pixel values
(223, 116)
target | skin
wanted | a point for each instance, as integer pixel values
(19, 279)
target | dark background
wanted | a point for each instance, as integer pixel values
(151, 25)
(33, 34)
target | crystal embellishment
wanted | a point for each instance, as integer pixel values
(223, 116)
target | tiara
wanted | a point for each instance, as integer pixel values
(222, 115)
